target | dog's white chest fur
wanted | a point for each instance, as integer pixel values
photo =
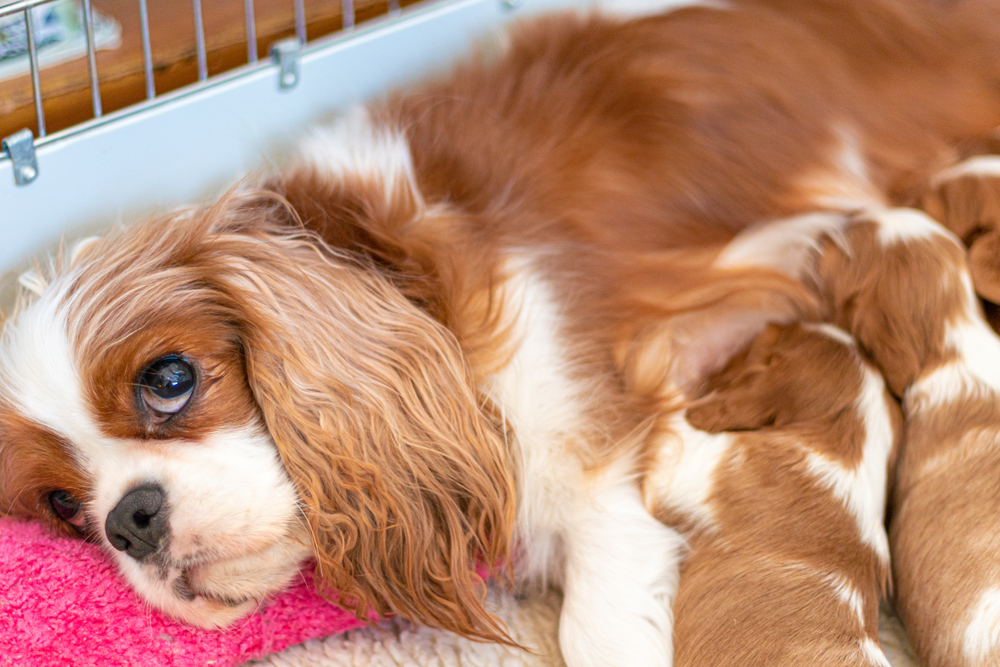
(542, 405)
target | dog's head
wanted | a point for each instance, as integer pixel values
(788, 376)
(217, 396)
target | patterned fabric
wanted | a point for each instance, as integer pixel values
(56, 21)
(60, 36)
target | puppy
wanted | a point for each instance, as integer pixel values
(898, 282)
(781, 479)
(454, 327)
(901, 285)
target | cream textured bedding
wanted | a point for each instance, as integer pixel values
(533, 621)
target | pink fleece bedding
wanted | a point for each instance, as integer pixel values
(63, 603)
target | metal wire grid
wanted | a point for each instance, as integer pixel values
(25, 6)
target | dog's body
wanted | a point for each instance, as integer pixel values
(507, 280)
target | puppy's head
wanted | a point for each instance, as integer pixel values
(217, 396)
(788, 375)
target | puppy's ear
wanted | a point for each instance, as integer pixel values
(740, 396)
(403, 477)
(744, 407)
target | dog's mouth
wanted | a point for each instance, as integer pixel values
(211, 587)
(189, 592)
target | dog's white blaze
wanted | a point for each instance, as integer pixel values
(863, 489)
(233, 517)
(228, 490)
(40, 368)
(902, 225)
(684, 470)
(354, 146)
(617, 564)
(982, 634)
(980, 165)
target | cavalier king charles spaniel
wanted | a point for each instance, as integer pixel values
(457, 331)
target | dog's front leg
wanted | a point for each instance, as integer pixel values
(620, 580)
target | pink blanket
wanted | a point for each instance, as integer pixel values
(63, 603)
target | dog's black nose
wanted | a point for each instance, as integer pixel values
(138, 523)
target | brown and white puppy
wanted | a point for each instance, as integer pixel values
(456, 321)
(900, 283)
(780, 479)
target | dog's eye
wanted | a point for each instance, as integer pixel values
(65, 506)
(166, 385)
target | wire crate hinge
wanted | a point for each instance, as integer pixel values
(20, 146)
(286, 52)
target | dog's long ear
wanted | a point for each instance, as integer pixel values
(747, 406)
(404, 478)
(741, 395)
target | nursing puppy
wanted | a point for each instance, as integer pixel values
(900, 283)
(456, 325)
(789, 558)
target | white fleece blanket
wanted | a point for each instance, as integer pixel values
(533, 621)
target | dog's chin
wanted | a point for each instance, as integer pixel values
(207, 612)
(215, 593)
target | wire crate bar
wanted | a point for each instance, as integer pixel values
(147, 71)
(36, 84)
(147, 51)
(251, 27)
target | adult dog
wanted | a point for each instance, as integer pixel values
(456, 327)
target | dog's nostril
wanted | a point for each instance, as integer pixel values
(138, 523)
(142, 519)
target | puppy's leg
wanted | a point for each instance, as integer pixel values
(620, 581)
(900, 284)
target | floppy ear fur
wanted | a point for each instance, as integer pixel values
(739, 396)
(403, 475)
